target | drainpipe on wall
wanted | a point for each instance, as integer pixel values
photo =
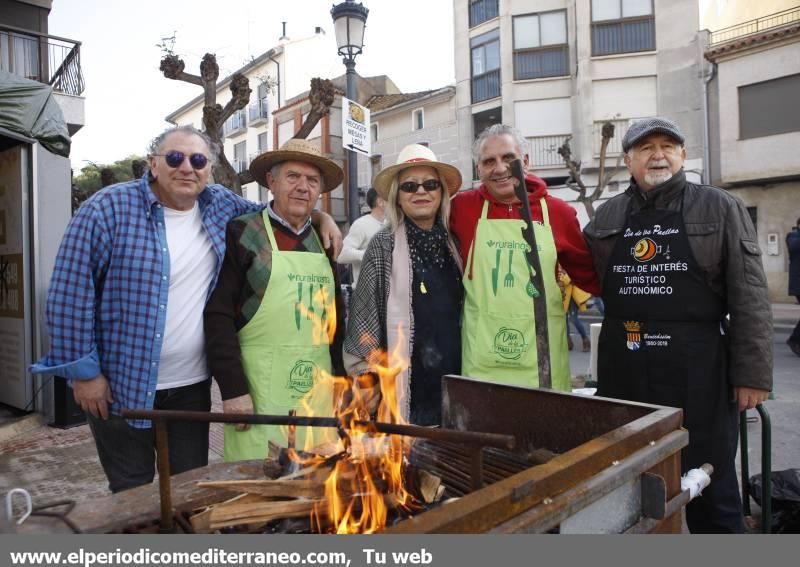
(706, 128)
(277, 63)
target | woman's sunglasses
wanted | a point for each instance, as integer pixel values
(412, 186)
(175, 158)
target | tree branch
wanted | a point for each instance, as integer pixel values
(240, 89)
(173, 66)
(574, 168)
(321, 97)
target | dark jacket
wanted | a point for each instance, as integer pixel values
(793, 246)
(723, 241)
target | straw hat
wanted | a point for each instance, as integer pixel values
(298, 150)
(416, 155)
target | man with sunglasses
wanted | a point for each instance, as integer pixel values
(274, 322)
(499, 334)
(125, 305)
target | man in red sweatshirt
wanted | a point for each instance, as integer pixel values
(499, 334)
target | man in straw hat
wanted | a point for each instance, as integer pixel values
(273, 322)
(693, 328)
(499, 333)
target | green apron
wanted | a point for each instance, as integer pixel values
(285, 351)
(498, 337)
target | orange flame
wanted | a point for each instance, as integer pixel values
(367, 482)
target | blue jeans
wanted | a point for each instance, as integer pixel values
(572, 315)
(599, 305)
(128, 454)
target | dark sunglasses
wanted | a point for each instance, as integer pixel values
(175, 158)
(412, 186)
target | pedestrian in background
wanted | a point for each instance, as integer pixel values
(361, 232)
(793, 246)
(575, 300)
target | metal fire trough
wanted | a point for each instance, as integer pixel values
(617, 470)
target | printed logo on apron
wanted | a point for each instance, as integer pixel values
(633, 329)
(303, 376)
(313, 303)
(504, 278)
(509, 343)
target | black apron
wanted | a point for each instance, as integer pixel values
(662, 343)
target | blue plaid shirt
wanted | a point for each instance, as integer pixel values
(107, 302)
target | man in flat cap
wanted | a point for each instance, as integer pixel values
(687, 323)
(273, 323)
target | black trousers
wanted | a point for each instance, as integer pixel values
(795, 336)
(718, 510)
(127, 453)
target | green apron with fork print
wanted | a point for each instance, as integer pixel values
(286, 351)
(498, 336)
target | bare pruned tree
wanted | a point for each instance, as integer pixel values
(575, 180)
(215, 115)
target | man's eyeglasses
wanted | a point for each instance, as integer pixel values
(175, 158)
(412, 186)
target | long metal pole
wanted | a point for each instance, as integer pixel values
(354, 207)
(440, 433)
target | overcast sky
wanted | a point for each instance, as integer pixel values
(127, 97)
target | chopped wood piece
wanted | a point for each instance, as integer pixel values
(280, 488)
(259, 512)
(429, 485)
(201, 521)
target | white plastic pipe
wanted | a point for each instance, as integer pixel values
(696, 480)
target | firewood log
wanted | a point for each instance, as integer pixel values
(280, 488)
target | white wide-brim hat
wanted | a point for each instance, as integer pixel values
(415, 155)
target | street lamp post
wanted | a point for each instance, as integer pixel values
(349, 20)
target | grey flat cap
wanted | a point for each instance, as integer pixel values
(643, 128)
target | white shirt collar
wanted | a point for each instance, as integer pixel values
(275, 216)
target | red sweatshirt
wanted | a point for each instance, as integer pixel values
(573, 254)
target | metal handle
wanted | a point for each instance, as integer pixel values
(10, 505)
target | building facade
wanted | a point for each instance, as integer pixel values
(396, 120)
(275, 76)
(559, 68)
(755, 128)
(35, 194)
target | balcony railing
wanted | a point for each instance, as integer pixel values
(755, 26)
(628, 35)
(240, 165)
(258, 111)
(544, 150)
(486, 86)
(541, 62)
(614, 144)
(235, 124)
(49, 59)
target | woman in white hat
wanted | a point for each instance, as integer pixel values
(406, 311)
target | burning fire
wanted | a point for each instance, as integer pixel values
(366, 481)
